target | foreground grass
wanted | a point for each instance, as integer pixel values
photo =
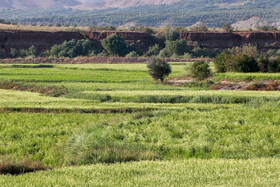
(205, 131)
(40, 137)
(193, 172)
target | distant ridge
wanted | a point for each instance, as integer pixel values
(79, 4)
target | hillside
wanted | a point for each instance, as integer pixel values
(103, 4)
(29, 4)
(79, 4)
(120, 12)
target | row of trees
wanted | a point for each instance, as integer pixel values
(239, 62)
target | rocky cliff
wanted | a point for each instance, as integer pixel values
(223, 40)
(45, 40)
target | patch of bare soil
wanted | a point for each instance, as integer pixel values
(256, 86)
(229, 85)
(178, 81)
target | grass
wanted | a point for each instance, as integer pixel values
(193, 172)
(115, 113)
(230, 131)
(41, 136)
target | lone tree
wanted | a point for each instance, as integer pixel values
(200, 70)
(159, 69)
(227, 27)
(115, 45)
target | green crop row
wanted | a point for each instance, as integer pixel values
(198, 131)
(193, 172)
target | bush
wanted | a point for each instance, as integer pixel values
(153, 51)
(200, 70)
(72, 49)
(32, 51)
(266, 28)
(132, 54)
(227, 27)
(220, 62)
(247, 49)
(274, 65)
(14, 52)
(115, 45)
(159, 69)
(263, 63)
(178, 47)
(163, 53)
(246, 64)
(172, 36)
(199, 28)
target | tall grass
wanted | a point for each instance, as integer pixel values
(192, 172)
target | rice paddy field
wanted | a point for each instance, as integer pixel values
(113, 125)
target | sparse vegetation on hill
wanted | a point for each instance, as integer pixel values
(183, 13)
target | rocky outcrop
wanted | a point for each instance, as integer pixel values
(45, 40)
(223, 40)
(41, 40)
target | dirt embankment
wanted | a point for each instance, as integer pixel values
(223, 40)
(85, 60)
(43, 40)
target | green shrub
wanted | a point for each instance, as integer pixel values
(45, 53)
(227, 27)
(199, 28)
(115, 45)
(172, 36)
(14, 52)
(263, 63)
(246, 64)
(200, 70)
(178, 47)
(220, 62)
(163, 53)
(101, 144)
(153, 51)
(32, 51)
(274, 65)
(72, 49)
(159, 69)
(132, 54)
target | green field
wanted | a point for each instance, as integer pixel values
(115, 126)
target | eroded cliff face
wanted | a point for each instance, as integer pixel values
(45, 40)
(41, 40)
(223, 40)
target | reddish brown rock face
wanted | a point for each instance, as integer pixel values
(223, 40)
(45, 40)
(41, 40)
